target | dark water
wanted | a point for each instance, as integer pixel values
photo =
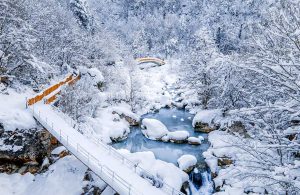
(174, 119)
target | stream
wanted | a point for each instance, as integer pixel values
(175, 119)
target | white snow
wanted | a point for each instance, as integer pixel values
(63, 177)
(13, 113)
(108, 126)
(178, 135)
(108, 191)
(194, 140)
(206, 116)
(168, 172)
(292, 130)
(58, 150)
(154, 129)
(211, 161)
(125, 110)
(186, 161)
(98, 153)
(94, 74)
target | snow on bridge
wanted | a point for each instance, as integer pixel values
(149, 59)
(117, 171)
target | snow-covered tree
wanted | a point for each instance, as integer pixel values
(80, 100)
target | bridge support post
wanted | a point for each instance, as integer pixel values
(59, 134)
(129, 189)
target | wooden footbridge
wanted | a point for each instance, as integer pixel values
(152, 60)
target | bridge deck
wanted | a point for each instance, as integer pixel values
(99, 157)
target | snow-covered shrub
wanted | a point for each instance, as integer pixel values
(79, 100)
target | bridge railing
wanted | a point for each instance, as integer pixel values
(106, 173)
(138, 169)
(130, 164)
(70, 80)
(149, 59)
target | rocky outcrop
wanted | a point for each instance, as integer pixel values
(24, 150)
(90, 188)
(132, 121)
(238, 127)
(195, 140)
(224, 161)
(120, 138)
(204, 127)
(187, 162)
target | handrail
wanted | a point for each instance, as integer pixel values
(69, 142)
(149, 59)
(68, 80)
(137, 168)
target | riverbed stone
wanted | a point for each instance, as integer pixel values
(238, 127)
(194, 141)
(25, 147)
(224, 161)
(130, 120)
(203, 127)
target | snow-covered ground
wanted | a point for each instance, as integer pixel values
(168, 172)
(242, 162)
(106, 125)
(63, 177)
(13, 112)
(206, 116)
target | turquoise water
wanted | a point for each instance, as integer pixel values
(174, 119)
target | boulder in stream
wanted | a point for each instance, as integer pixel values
(178, 136)
(187, 162)
(204, 120)
(154, 129)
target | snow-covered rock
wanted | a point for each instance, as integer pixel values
(166, 99)
(108, 126)
(204, 120)
(124, 112)
(58, 150)
(63, 177)
(154, 129)
(13, 112)
(46, 163)
(178, 136)
(94, 76)
(187, 162)
(194, 141)
(201, 138)
(166, 172)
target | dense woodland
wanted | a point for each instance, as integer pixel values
(239, 56)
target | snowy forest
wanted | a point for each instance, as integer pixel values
(218, 114)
